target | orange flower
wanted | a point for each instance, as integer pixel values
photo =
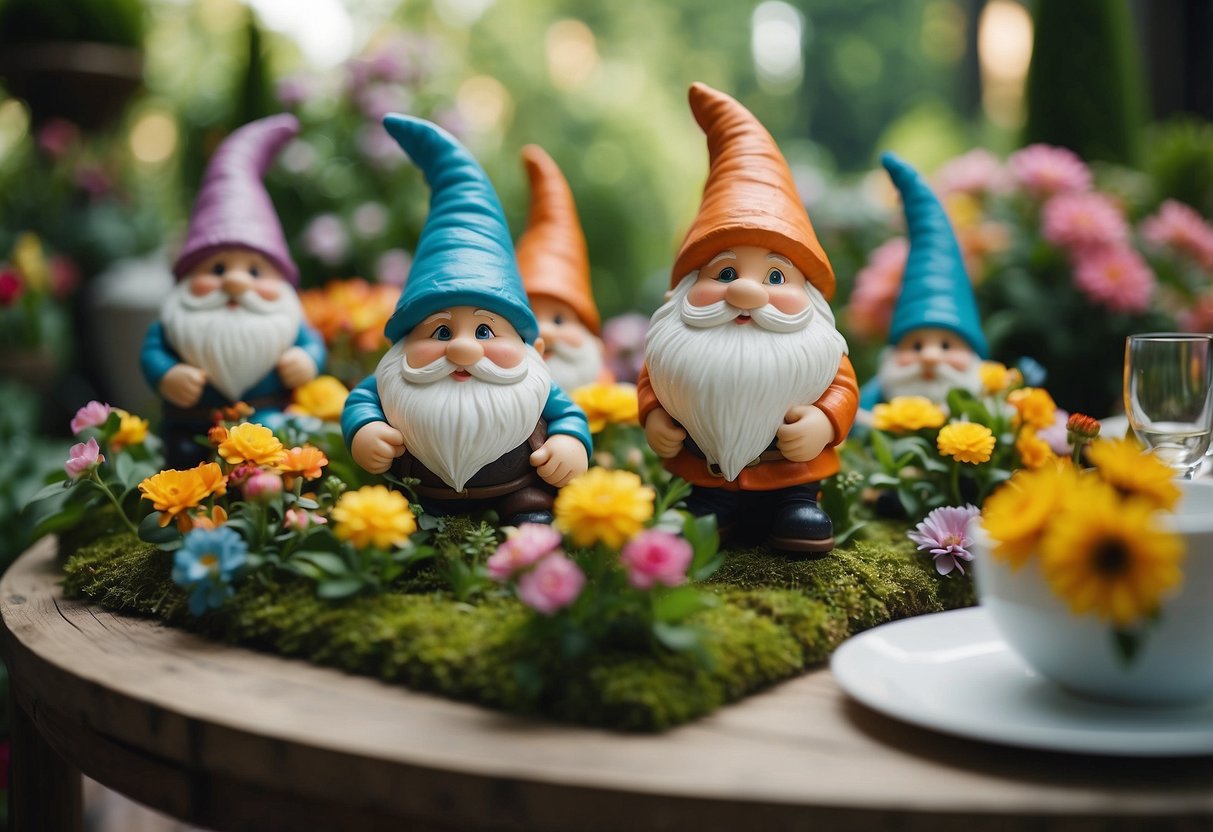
(217, 435)
(235, 413)
(212, 479)
(1034, 407)
(1033, 451)
(250, 442)
(322, 397)
(173, 493)
(305, 462)
(353, 309)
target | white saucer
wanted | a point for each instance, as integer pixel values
(952, 672)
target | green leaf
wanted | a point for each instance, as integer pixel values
(701, 533)
(881, 450)
(841, 538)
(327, 561)
(679, 603)
(879, 480)
(339, 588)
(150, 530)
(676, 636)
(66, 518)
(574, 643)
(1127, 644)
(671, 520)
(55, 489)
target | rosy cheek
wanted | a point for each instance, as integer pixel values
(789, 300)
(423, 353)
(503, 352)
(268, 289)
(905, 358)
(959, 360)
(706, 292)
(204, 284)
(573, 335)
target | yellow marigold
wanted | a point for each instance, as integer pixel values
(608, 404)
(1106, 556)
(305, 462)
(1033, 451)
(174, 492)
(966, 442)
(1017, 514)
(1034, 407)
(1128, 467)
(604, 506)
(905, 413)
(373, 516)
(250, 442)
(212, 478)
(322, 397)
(131, 430)
(995, 377)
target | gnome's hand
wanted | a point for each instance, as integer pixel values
(665, 437)
(182, 385)
(296, 367)
(375, 445)
(560, 459)
(805, 433)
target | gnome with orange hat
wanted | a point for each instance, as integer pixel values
(233, 328)
(555, 266)
(747, 386)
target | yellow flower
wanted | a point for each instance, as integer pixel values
(966, 442)
(1017, 514)
(1106, 556)
(175, 492)
(995, 377)
(603, 506)
(1125, 465)
(212, 479)
(30, 260)
(1033, 451)
(322, 397)
(131, 430)
(305, 462)
(1034, 407)
(373, 516)
(250, 442)
(608, 404)
(908, 413)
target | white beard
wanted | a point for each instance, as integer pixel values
(896, 380)
(455, 428)
(574, 367)
(235, 347)
(731, 385)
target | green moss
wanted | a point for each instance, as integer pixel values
(775, 617)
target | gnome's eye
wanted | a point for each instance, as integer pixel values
(558, 320)
(483, 333)
(776, 278)
(727, 275)
(945, 344)
(218, 269)
(918, 346)
(442, 333)
(254, 271)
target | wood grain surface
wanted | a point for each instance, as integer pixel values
(233, 739)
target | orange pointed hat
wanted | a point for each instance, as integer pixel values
(552, 254)
(750, 197)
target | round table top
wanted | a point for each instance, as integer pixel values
(228, 737)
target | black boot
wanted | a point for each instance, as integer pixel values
(800, 526)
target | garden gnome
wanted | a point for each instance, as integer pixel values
(555, 266)
(233, 328)
(463, 400)
(935, 340)
(747, 386)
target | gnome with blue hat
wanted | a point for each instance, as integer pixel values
(935, 340)
(233, 328)
(463, 400)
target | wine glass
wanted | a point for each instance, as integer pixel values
(1169, 395)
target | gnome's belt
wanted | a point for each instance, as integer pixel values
(487, 483)
(771, 454)
(270, 401)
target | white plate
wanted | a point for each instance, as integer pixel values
(951, 672)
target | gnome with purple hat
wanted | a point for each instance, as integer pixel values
(233, 328)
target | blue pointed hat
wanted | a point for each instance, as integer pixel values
(936, 290)
(465, 256)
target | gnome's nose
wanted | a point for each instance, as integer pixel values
(464, 351)
(745, 294)
(236, 283)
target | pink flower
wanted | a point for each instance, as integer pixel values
(977, 172)
(1083, 221)
(1179, 227)
(262, 487)
(92, 415)
(393, 266)
(1199, 317)
(65, 275)
(870, 309)
(298, 520)
(239, 475)
(656, 557)
(552, 585)
(1057, 434)
(623, 345)
(296, 89)
(945, 534)
(1116, 278)
(326, 239)
(11, 287)
(82, 458)
(55, 138)
(523, 548)
(1044, 170)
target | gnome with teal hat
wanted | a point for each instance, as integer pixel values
(233, 328)
(463, 400)
(935, 340)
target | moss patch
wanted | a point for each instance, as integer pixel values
(775, 617)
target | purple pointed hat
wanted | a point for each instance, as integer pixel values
(233, 208)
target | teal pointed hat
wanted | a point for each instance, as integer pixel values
(465, 256)
(936, 290)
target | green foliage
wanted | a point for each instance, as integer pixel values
(1180, 161)
(119, 22)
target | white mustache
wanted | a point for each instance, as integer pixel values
(484, 370)
(248, 299)
(723, 312)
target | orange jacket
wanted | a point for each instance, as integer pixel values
(839, 403)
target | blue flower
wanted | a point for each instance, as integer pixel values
(205, 564)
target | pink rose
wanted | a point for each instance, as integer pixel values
(298, 520)
(526, 546)
(92, 415)
(553, 584)
(656, 557)
(262, 487)
(82, 458)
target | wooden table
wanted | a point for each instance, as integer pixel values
(232, 739)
